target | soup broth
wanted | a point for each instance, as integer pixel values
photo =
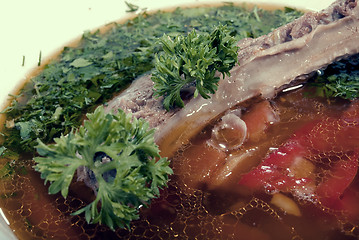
(186, 210)
(196, 205)
(243, 215)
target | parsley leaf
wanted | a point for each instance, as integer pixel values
(193, 60)
(138, 169)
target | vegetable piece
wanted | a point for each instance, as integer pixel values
(193, 60)
(286, 204)
(274, 174)
(137, 170)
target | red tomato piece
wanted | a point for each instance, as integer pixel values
(274, 173)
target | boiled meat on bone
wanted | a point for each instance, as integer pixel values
(267, 65)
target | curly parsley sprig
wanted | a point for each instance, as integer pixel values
(193, 61)
(135, 160)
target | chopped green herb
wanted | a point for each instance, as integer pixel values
(80, 62)
(12, 167)
(129, 178)
(193, 61)
(6, 170)
(40, 59)
(8, 195)
(2, 150)
(28, 224)
(340, 79)
(132, 7)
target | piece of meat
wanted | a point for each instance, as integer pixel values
(138, 100)
(267, 65)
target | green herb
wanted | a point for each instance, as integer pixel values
(132, 7)
(340, 79)
(8, 195)
(40, 59)
(2, 150)
(82, 77)
(193, 61)
(130, 179)
(6, 170)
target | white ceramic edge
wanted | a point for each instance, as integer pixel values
(31, 27)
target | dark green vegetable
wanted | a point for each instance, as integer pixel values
(193, 61)
(85, 76)
(340, 79)
(131, 176)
